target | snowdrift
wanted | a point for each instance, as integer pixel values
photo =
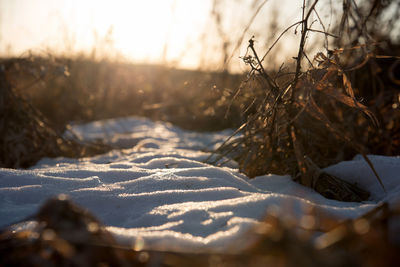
(156, 188)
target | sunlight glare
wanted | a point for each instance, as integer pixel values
(150, 31)
(139, 29)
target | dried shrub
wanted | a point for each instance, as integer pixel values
(301, 121)
(26, 136)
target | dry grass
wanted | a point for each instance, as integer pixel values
(297, 121)
(42, 95)
(26, 135)
(304, 119)
(67, 235)
(94, 90)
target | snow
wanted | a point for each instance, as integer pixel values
(156, 190)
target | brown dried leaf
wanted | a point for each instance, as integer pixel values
(349, 101)
(347, 85)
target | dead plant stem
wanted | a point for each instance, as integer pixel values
(304, 30)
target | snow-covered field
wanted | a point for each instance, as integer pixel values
(156, 188)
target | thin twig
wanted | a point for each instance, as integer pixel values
(324, 32)
(239, 42)
(269, 80)
(304, 31)
(279, 37)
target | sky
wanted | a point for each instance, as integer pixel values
(138, 29)
(179, 32)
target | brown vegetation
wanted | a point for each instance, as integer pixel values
(94, 90)
(304, 119)
(41, 96)
(26, 136)
(295, 120)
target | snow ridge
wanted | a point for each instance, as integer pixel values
(156, 188)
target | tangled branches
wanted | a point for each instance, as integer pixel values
(304, 122)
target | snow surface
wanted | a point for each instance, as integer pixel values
(157, 189)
